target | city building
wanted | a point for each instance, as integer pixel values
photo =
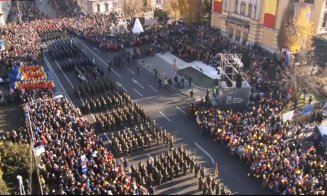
(4, 12)
(100, 6)
(259, 21)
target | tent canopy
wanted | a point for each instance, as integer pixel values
(137, 26)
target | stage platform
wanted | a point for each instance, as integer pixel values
(207, 70)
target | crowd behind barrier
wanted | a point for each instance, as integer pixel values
(256, 136)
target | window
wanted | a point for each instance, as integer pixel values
(245, 36)
(324, 20)
(243, 8)
(255, 11)
(250, 10)
(98, 8)
(231, 32)
(106, 7)
(236, 7)
(309, 1)
(238, 34)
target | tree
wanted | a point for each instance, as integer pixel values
(160, 15)
(296, 34)
(319, 51)
(15, 159)
(191, 11)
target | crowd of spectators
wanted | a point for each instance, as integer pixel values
(258, 136)
(67, 136)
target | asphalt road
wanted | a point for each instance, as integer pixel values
(168, 108)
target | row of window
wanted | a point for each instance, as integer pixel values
(306, 1)
(243, 9)
(106, 7)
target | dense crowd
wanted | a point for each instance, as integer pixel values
(67, 137)
(258, 137)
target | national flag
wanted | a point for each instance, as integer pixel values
(217, 6)
(270, 9)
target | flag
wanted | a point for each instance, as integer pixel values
(270, 9)
(217, 6)
(216, 170)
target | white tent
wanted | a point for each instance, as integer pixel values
(137, 26)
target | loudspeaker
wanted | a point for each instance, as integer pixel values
(238, 79)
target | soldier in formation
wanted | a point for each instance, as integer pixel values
(211, 186)
(164, 167)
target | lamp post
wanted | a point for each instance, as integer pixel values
(21, 185)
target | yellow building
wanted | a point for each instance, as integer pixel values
(259, 21)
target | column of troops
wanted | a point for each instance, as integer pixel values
(164, 167)
(210, 185)
(52, 35)
(139, 138)
(126, 114)
(95, 87)
(63, 48)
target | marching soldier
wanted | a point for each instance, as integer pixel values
(205, 188)
(171, 173)
(167, 139)
(200, 183)
(217, 185)
(222, 190)
(196, 170)
(176, 168)
(210, 191)
(202, 172)
(165, 174)
(184, 167)
(171, 142)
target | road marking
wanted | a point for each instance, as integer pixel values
(129, 69)
(121, 86)
(165, 116)
(68, 80)
(54, 73)
(138, 92)
(136, 82)
(155, 90)
(95, 48)
(213, 162)
(93, 118)
(180, 110)
(100, 59)
(64, 74)
(105, 134)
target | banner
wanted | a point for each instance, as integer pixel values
(39, 150)
(2, 45)
(84, 163)
(288, 116)
(307, 110)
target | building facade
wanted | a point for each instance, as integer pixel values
(4, 12)
(100, 6)
(259, 21)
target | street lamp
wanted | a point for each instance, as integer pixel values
(21, 185)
